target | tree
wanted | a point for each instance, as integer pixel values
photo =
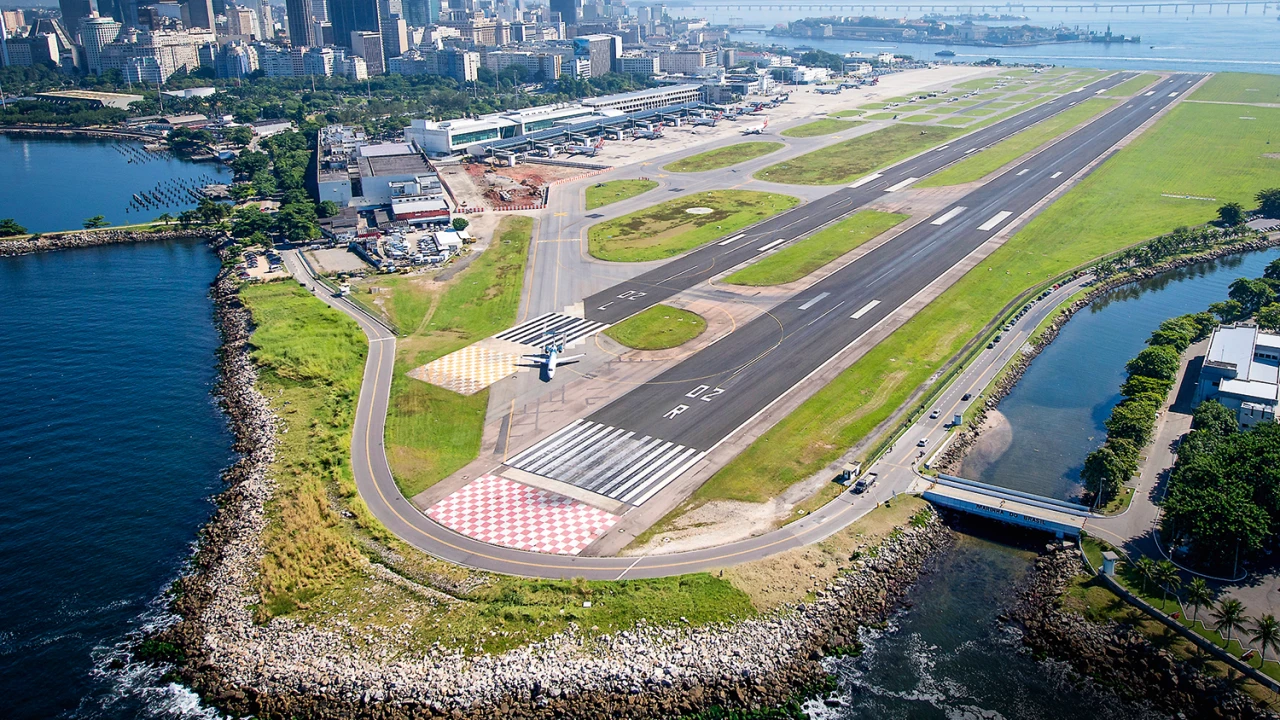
(187, 218)
(297, 222)
(9, 227)
(1231, 214)
(1273, 270)
(165, 218)
(1141, 385)
(1214, 417)
(241, 135)
(1229, 617)
(1251, 294)
(1269, 202)
(1103, 473)
(242, 191)
(249, 164)
(1159, 361)
(1132, 420)
(1199, 594)
(460, 223)
(1146, 567)
(328, 208)
(95, 222)
(1266, 632)
(1166, 576)
(1268, 317)
(1227, 310)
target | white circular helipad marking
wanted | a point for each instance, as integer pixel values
(700, 211)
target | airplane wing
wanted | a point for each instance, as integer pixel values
(563, 360)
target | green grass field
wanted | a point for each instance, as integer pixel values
(825, 126)
(1241, 88)
(848, 160)
(848, 113)
(1133, 86)
(922, 117)
(981, 164)
(803, 257)
(1118, 205)
(432, 432)
(880, 116)
(723, 157)
(666, 229)
(658, 328)
(613, 191)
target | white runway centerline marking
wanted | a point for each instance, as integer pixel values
(898, 186)
(1055, 175)
(995, 220)
(1023, 171)
(966, 152)
(1173, 94)
(814, 301)
(1149, 94)
(941, 148)
(773, 244)
(864, 309)
(867, 179)
(949, 214)
(1099, 92)
(739, 236)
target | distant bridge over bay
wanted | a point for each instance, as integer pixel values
(1225, 7)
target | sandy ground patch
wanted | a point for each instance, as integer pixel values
(333, 260)
(995, 437)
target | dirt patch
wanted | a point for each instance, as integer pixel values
(995, 437)
(1271, 156)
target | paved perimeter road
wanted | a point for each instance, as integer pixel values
(632, 296)
(378, 489)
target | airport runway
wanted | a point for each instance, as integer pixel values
(633, 447)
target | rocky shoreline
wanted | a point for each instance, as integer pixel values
(284, 668)
(1114, 655)
(953, 456)
(65, 241)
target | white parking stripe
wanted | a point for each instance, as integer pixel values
(1023, 171)
(867, 179)
(1055, 175)
(865, 309)
(814, 301)
(739, 236)
(948, 215)
(995, 220)
(773, 244)
(899, 186)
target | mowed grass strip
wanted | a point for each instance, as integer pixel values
(658, 328)
(723, 157)
(1202, 150)
(668, 229)
(801, 258)
(613, 191)
(978, 165)
(1133, 85)
(848, 160)
(1241, 88)
(825, 126)
(431, 431)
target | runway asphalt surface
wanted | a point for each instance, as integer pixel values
(806, 331)
(631, 296)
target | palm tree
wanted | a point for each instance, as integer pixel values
(1266, 632)
(165, 218)
(1145, 567)
(1166, 576)
(1199, 594)
(1229, 616)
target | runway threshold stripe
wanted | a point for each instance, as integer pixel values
(521, 456)
(675, 474)
(864, 310)
(814, 301)
(773, 244)
(867, 179)
(995, 220)
(949, 215)
(898, 186)
(733, 239)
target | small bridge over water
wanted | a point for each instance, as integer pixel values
(1059, 517)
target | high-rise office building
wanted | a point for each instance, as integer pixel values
(302, 27)
(395, 36)
(73, 13)
(200, 13)
(354, 16)
(420, 13)
(368, 45)
(96, 33)
(603, 51)
(570, 11)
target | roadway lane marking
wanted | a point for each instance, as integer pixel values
(867, 179)
(949, 214)
(865, 309)
(814, 301)
(1055, 175)
(732, 239)
(773, 244)
(898, 186)
(995, 220)
(1023, 171)
(966, 152)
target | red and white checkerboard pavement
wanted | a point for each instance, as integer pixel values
(503, 512)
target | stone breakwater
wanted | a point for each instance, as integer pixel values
(284, 668)
(951, 458)
(1117, 656)
(64, 241)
